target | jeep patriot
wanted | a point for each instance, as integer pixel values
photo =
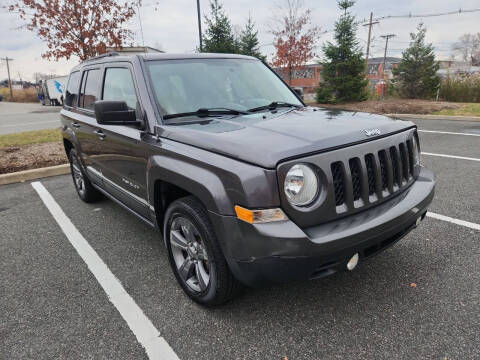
(248, 185)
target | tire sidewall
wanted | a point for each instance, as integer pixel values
(180, 209)
(71, 155)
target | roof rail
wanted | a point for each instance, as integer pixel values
(113, 53)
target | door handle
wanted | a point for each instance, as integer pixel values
(100, 134)
(76, 125)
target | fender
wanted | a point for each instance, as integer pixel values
(198, 181)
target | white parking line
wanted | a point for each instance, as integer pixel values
(447, 132)
(454, 221)
(147, 335)
(451, 156)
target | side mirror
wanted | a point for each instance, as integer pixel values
(110, 112)
(299, 91)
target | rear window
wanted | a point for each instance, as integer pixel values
(90, 84)
(71, 95)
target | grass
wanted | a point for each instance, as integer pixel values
(30, 137)
(23, 95)
(472, 109)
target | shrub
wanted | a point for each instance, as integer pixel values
(460, 90)
(23, 95)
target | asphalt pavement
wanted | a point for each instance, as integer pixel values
(418, 299)
(19, 117)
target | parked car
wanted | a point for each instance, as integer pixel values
(247, 184)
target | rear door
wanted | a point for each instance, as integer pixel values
(91, 141)
(123, 158)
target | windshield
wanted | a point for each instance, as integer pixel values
(183, 86)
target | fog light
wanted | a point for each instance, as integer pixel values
(352, 263)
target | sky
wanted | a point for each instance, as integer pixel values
(172, 26)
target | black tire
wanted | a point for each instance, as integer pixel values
(84, 187)
(222, 286)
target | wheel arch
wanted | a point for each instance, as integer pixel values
(170, 179)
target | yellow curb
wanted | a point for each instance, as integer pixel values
(33, 174)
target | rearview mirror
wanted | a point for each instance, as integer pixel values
(109, 112)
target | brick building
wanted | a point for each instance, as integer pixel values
(306, 77)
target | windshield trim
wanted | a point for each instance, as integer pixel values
(161, 113)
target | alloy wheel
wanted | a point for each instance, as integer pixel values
(78, 176)
(190, 254)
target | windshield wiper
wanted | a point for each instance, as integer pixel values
(274, 105)
(204, 112)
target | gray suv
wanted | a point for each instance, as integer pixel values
(248, 185)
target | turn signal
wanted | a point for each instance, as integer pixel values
(260, 216)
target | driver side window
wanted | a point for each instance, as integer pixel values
(118, 85)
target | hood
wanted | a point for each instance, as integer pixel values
(265, 139)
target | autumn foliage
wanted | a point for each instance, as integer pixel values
(84, 28)
(295, 39)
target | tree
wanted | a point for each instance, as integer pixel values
(295, 38)
(248, 40)
(468, 46)
(218, 37)
(416, 74)
(343, 71)
(82, 28)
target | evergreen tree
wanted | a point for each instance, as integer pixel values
(218, 37)
(416, 74)
(343, 72)
(248, 41)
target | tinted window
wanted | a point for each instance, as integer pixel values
(89, 93)
(119, 85)
(71, 96)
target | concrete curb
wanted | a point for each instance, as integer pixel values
(434, 117)
(33, 174)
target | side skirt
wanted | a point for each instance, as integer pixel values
(111, 197)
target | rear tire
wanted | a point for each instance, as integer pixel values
(195, 254)
(85, 189)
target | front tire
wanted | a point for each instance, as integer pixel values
(85, 189)
(195, 255)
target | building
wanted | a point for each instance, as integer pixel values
(306, 77)
(377, 74)
(451, 68)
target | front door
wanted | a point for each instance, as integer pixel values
(123, 159)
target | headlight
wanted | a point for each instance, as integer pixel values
(416, 152)
(301, 185)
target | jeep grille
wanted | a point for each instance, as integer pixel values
(388, 170)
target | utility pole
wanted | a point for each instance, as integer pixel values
(386, 37)
(369, 24)
(199, 25)
(7, 59)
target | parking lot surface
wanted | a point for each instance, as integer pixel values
(418, 299)
(19, 117)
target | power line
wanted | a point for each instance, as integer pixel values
(410, 15)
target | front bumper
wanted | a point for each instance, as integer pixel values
(278, 252)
